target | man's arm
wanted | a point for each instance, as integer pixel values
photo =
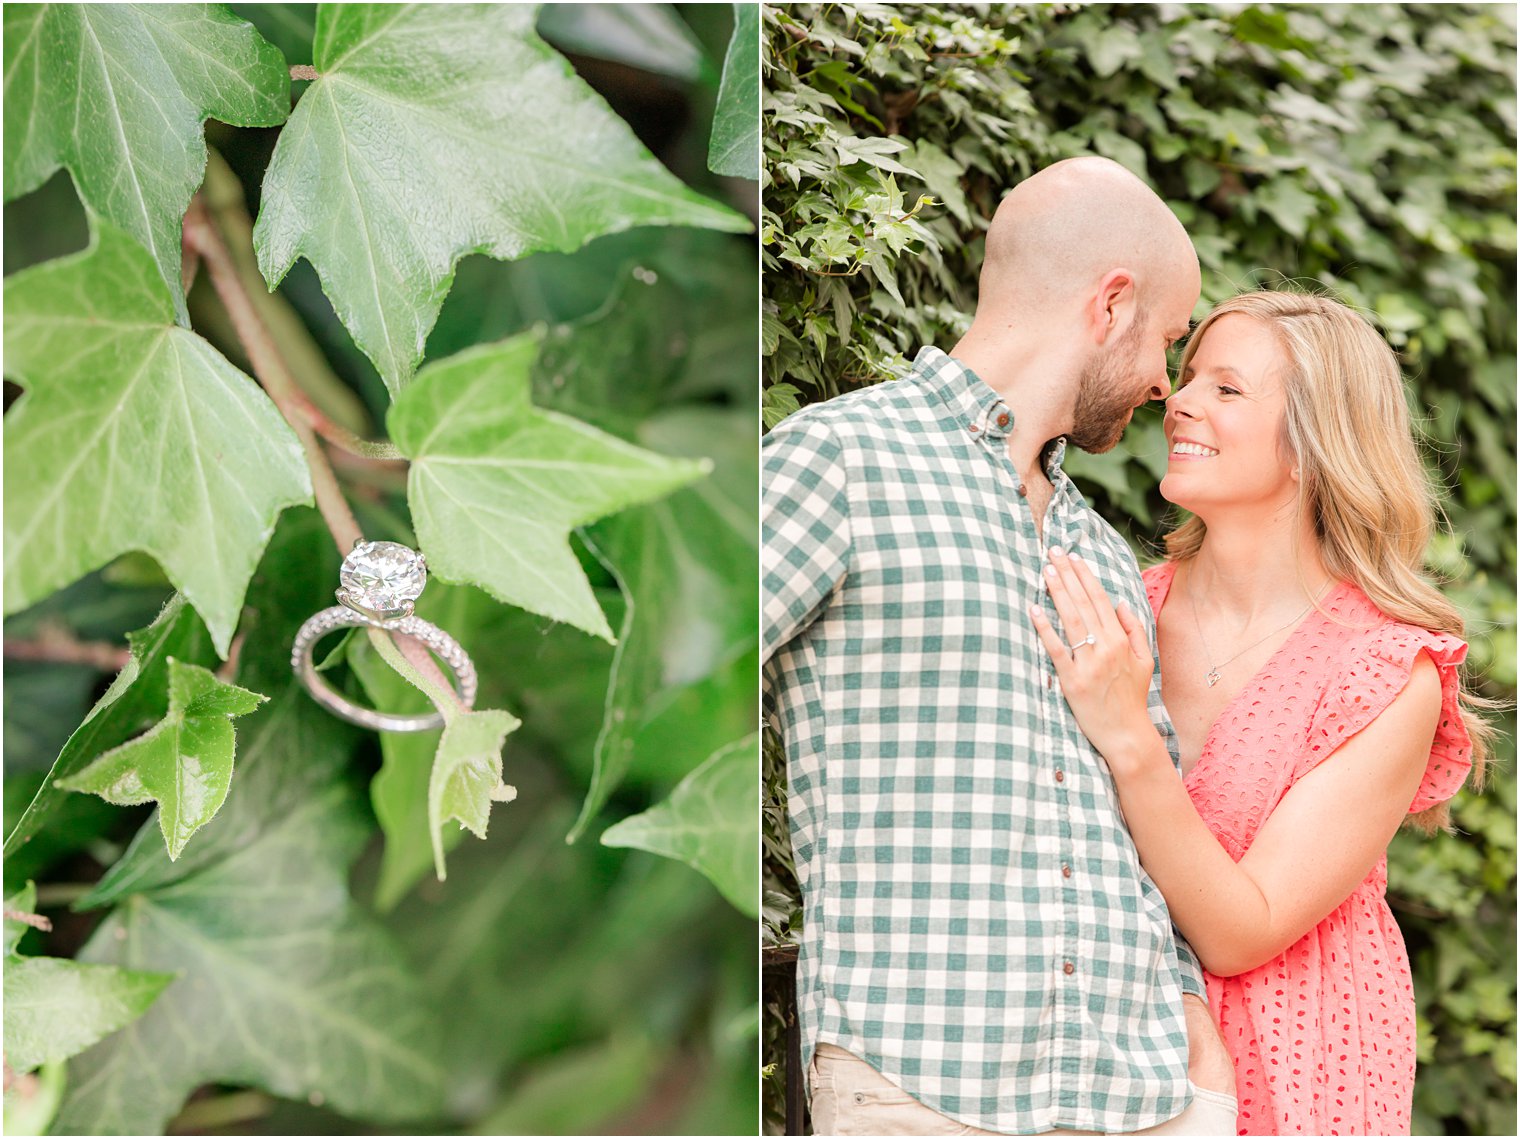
(804, 528)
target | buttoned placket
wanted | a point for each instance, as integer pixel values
(991, 429)
(1071, 978)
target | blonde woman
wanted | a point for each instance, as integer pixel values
(1312, 676)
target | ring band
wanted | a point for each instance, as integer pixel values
(1090, 639)
(381, 582)
(339, 617)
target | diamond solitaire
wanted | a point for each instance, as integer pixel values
(383, 579)
(381, 584)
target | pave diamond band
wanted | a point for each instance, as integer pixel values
(381, 582)
(444, 646)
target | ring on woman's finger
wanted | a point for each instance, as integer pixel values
(1090, 639)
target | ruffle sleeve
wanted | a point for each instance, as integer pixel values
(1158, 580)
(1379, 669)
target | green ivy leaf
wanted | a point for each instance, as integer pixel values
(710, 822)
(686, 567)
(294, 580)
(650, 37)
(138, 695)
(117, 93)
(286, 984)
(183, 763)
(620, 928)
(496, 484)
(942, 175)
(436, 131)
(133, 434)
(55, 1009)
(466, 776)
(777, 402)
(1288, 204)
(399, 791)
(734, 148)
(552, 1100)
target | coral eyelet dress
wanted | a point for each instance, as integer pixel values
(1323, 1035)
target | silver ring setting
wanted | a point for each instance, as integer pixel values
(1090, 639)
(381, 582)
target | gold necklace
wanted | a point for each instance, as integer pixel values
(1212, 676)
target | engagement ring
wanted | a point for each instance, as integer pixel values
(381, 582)
(1090, 639)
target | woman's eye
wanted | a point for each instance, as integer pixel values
(1225, 389)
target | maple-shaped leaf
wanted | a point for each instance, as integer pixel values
(285, 984)
(183, 763)
(496, 484)
(133, 434)
(436, 131)
(118, 93)
(138, 695)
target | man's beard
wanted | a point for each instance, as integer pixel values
(1105, 396)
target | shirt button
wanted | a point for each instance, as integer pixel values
(1060, 777)
(973, 429)
(1065, 870)
(1003, 420)
(860, 1097)
(1068, 968)
(1023, 491)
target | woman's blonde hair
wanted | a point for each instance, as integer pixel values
(1347, 427)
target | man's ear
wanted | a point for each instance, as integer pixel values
(1113, 305)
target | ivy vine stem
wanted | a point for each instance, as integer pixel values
(442, 695)
(59, 646)
(273, 375)
(345, 440)
(270, 370)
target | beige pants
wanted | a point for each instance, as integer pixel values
(852, 1098)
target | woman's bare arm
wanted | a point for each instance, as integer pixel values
(1319, 842)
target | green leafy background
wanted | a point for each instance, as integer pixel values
(297, 966)
(1369, 149)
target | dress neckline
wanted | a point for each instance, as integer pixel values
(1256, 679)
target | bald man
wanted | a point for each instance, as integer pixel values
(981, 951)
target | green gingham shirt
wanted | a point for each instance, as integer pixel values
(977, 925)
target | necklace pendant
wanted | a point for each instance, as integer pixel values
(1213, 677)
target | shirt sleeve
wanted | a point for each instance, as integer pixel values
(1188, 968)
(804, 527)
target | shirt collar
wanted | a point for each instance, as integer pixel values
(978, 410)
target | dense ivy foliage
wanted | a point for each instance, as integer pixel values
(1368, 150)
(243, 276)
